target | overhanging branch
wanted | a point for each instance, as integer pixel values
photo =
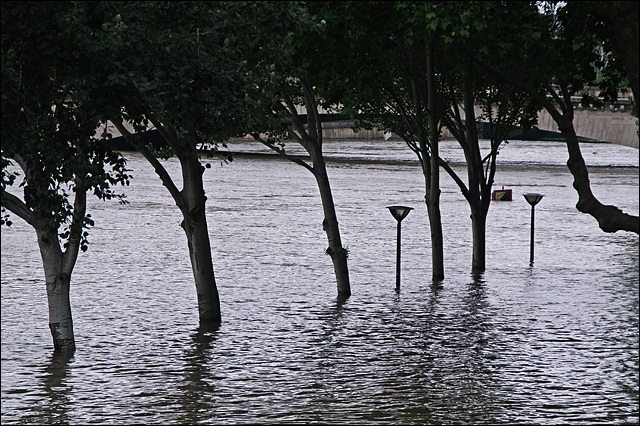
(16, 206)
(157, 166)
(283, 154)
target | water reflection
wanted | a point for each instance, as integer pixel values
(56, 409)
(552, 344)
(331, 326)
(199, 387)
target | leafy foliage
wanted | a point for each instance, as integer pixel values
(49, 123)
(205, 69)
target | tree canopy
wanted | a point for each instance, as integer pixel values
(49, 121)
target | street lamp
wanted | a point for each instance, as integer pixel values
(532, 199)
(399, 213)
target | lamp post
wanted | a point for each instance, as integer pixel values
(399, 213)
(532, 199)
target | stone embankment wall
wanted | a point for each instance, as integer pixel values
(606, 124)
(610, 124)
(341, 130)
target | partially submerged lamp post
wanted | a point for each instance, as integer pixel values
(532, 199)
(399, 212)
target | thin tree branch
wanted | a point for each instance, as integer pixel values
(157, 166)
(23, 164)
(313, 119)
(454, 176)
(168, 136)
(281, 152)
(297, 122)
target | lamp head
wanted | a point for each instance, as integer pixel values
(533, 199)
(399, 212)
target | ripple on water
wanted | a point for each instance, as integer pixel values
(556, 342)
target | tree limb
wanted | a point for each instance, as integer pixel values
(70, 255)
(171, 140)
(283, 154)
(16, 206)
(297, 122)
(157, 166)
(313, 119)
(454, 176)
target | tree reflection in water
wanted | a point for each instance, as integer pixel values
(199, 384)
(55, 411)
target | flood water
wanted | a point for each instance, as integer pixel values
(555, 342)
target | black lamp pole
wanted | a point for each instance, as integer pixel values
(532, 199)
(398, 239)
(399, 213)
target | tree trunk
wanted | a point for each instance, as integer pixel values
(478, 228)
(191, 201)
(610, 218)
(437, 246)
(195, 227)
(475, 175)
(432, 197)
(338, 253)
(58, 282)
(432, 200)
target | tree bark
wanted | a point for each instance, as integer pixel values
(195, 227)
(58, 280)
(478, 230)
(57, 264)
(310, 138)
(432, 197)
(610, 218)
(191, 201)
(437, 245)
(475, 173)
(338, 253)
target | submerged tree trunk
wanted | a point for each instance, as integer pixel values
(57, 264)
(432, 197)
(431, 173)
(478, 230)
(58, 280)
(310, 138)
(191, 201)
(195, 227)
(478, 193)
(338, 253)
(475, 174)
(432, 200)
(437, 243)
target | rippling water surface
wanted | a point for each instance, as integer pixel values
(552, 343)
